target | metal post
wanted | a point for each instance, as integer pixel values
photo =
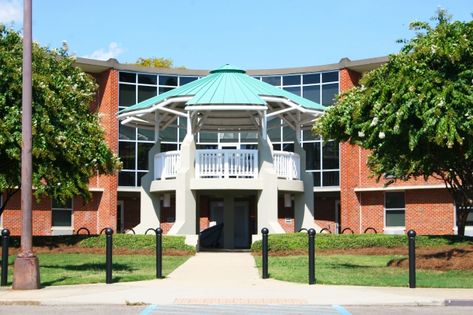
(5, 244)
(412, 258)
(26, 268)
(265, 232)
(159, 253)
(311, 235)
(108, 255)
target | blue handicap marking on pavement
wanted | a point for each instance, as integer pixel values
(341, 310)
(148, 310)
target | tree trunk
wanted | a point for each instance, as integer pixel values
(462, 215)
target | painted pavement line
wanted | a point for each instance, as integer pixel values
(341, 310)
(148, 310)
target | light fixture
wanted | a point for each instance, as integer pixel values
(167, 200)
(287, 200)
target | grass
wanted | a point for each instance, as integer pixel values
(361, 270)
(297, 241)
(62, 268)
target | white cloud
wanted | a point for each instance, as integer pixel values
(113, 51)
(11, 11)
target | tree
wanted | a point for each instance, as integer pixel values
(155, 62)
(415, 113)
(68, 141)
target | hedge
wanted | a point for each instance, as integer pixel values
(297, 241)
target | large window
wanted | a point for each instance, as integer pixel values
(61, 214)
(134, 144)
(395, 209)
(469, 219)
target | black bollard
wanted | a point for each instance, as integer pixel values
(265, 232)
(108, 254)
(5, 245)
(311, 234)
(159, 253)
(412, 258)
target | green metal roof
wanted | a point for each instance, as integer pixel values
(226, 85)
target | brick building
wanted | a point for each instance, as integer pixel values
(345, 197)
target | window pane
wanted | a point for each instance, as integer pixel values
(276, 147)
(329, 91)
(288, 134)
(395, 200)
(312, 93)
(147, 79)
(145, 134)
(167, 80)
(249, 147)
(294, 90)
(311, 78)
(330, 76)
(145, 92)
(276, 80)
(395, 217)
(185, 80)
(312, 155)
(288, 147)
(164, 89)
(127, 95)
(330, 155)
(469, 218)
(126, 133)
(308, 135)
(291, 79)
(61, 217)
(248, 137)
(165, 147)
(331, 178)
(169, 134)
(317, 181)
(126, 178)
(143, 149)
(140, 176)
(208, 137)
(126, 152)
(274, 129)
(182, 128)
(127, 77)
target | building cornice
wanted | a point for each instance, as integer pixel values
(361, 66)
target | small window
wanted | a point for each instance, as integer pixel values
(61, 213)
(395, 209)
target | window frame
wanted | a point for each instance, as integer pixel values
(62, 227)
(386, 210)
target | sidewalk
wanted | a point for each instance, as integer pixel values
(229, 278)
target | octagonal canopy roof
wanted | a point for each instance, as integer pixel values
(226, 99)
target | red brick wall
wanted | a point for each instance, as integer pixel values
(428, 211)
(166, 214)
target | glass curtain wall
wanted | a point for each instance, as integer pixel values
(322, 158)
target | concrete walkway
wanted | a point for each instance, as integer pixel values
(229, 278)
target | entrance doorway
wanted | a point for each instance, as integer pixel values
(242, 224)
(120, 216)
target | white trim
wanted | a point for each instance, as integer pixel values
(327, 189)
(225, 107)
(129, 188)
(281, 111)
(96, 189)
(398, 188)
(158, 106)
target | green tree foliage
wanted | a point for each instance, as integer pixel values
(415, 113)
(68, 141)
(155, 62)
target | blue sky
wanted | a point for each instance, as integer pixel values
(204, 34)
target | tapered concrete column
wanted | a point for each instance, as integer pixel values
(229, 221)
(304, 202)
(268, 197)
(185, 198)
(149, 202)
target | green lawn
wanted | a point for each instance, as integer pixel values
(60, 269)
(361, 270)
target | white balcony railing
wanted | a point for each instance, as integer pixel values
(287, 164)
(167, 164)
(226, 164)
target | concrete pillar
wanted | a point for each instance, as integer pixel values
(186, 204)
(267, 211)
(149, 202)
(229, 221)
(304, 202)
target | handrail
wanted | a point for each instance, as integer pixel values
(287, 164)
(226, 164)
(166, 164)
